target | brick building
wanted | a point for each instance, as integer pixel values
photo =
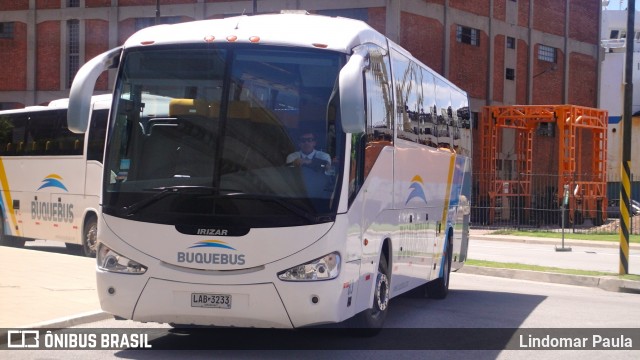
(499, 51)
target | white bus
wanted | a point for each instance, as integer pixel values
(204, 221)
(50, 177)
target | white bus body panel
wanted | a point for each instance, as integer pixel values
(41, 211)
(163, 293)
(53, 194)
(299, 31)
(386, 208)
(259, 298)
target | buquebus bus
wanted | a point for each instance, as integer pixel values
(204, 221)
(50, 177)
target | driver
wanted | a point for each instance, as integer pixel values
(308, 155)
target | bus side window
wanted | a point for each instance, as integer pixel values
(428, 117)
(379, 116)
(49, 147)
(97, 134)
(5, 134)
(445, 115)
(12, 128)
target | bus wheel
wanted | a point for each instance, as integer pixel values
(372, 319)
(7, 240)
(90, 237)
(439, 288)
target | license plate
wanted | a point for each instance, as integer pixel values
(221, 301)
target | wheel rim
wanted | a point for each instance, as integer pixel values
(91, 238)
(447, 265)
(1, 229)
(382, 292)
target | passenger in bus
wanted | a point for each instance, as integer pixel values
(308, 156)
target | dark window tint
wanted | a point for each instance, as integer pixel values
(38, 133)
(97, 133)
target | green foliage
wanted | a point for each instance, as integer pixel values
(517, 266)
(568, 235)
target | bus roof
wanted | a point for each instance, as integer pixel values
(25, 109)
(100, 101)
(304, 30)
(64, 103)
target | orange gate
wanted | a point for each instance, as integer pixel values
(578, 130)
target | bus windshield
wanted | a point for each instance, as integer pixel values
(244, 135)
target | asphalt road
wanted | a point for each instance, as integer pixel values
(475, 302)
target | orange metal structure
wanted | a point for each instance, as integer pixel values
(585, 182)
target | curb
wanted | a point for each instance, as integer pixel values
(549, 241)
(605, 283)
(69, 321)
(65, 322)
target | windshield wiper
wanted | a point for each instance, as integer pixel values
(164, 191)
(285, 204)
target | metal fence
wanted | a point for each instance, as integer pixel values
(542, 208)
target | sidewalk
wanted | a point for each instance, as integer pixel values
(478, 234)
(609, 283)
(40, 289)
(45, 289)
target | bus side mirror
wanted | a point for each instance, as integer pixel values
(352, 92)
(82, 88)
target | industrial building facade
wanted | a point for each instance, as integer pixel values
(499, 51)
(502, 52)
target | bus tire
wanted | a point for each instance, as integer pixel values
(8, 240)
(439, 288)
(90, 236)
(370, 321)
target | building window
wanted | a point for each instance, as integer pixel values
(6, 30)
(510, 74)
(511, 42)
(73, 3)
(73, 49)
(614, 34)
(468, 35)
(547, 53)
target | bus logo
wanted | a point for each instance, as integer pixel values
(417, 190)
(53, 180)
(211, 244)
(211, 257)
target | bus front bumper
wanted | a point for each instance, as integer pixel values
(263, 305)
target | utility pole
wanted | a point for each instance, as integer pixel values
(625, 166)
(157, 12)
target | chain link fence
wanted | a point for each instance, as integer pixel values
(542, 208)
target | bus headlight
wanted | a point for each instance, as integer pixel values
(324, 268)
(110, 260)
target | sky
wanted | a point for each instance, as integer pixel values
(619, 4)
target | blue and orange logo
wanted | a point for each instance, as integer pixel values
(211, 244)
(53, 180)
(417, 190)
